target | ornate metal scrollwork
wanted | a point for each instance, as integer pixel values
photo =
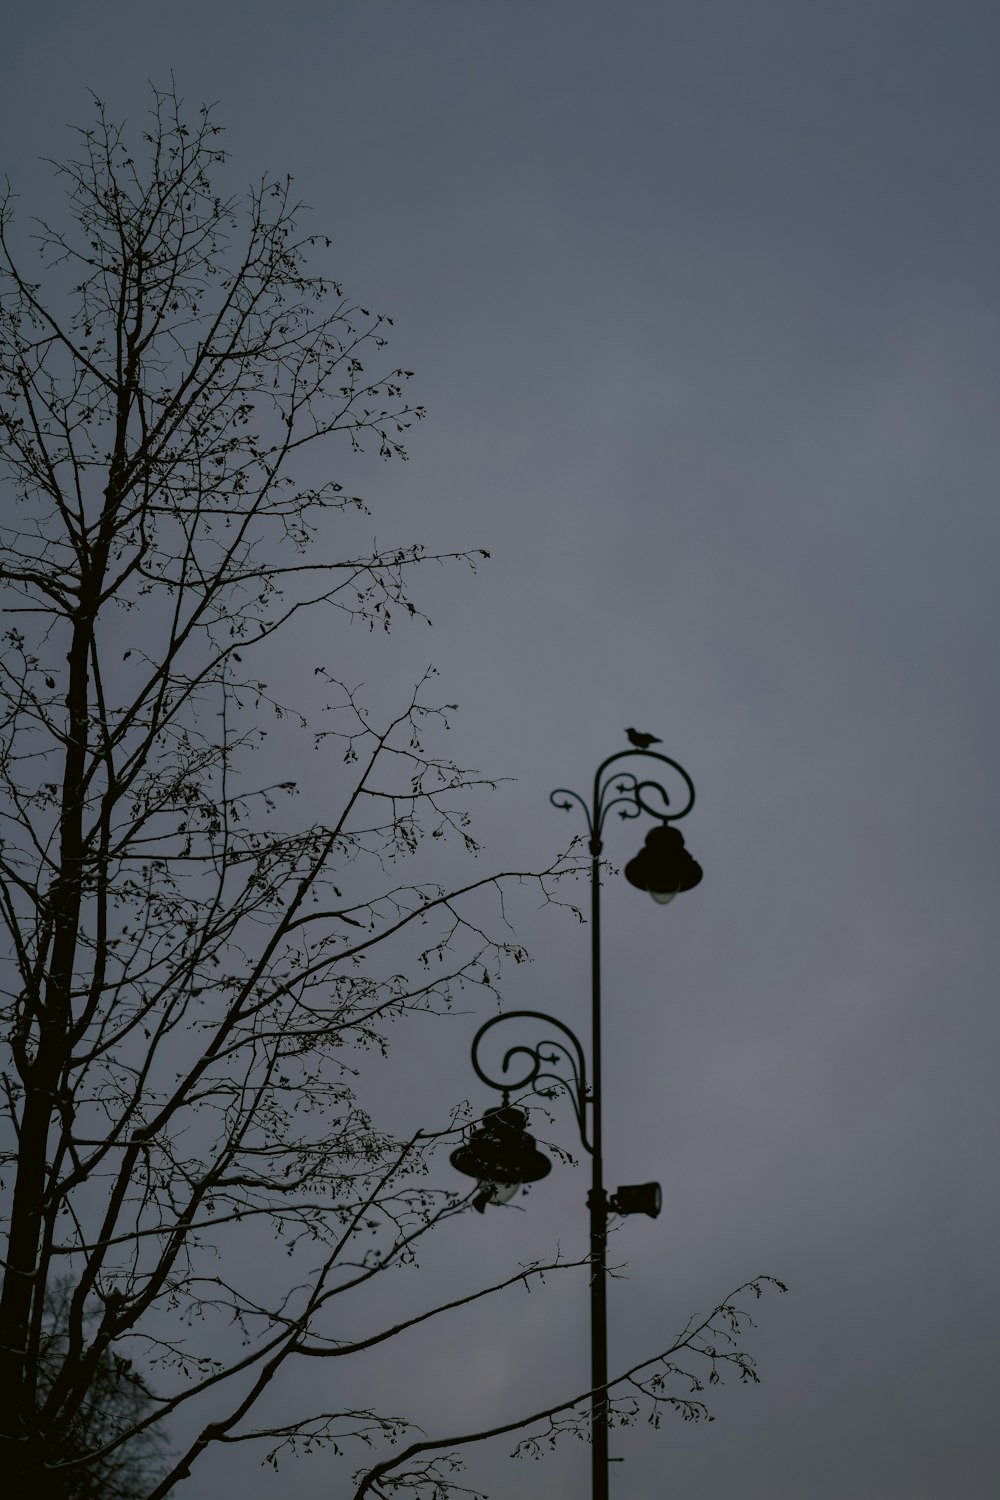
(540, 1060)
(624, 790)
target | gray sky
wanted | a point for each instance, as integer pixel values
(703, 303)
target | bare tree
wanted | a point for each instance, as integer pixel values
(89, 1464)
(188, 980)
(709, 1346)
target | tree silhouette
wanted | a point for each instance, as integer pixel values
(189, 978)
(89, 1464)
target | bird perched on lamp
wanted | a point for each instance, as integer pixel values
(642, 741)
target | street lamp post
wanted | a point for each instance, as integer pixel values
(501, 1155)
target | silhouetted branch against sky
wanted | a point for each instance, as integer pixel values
(713, 1341)
(194, 976)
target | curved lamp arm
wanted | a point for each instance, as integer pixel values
(539, 1061)
(624, 790)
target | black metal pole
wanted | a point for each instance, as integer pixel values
(597, 1202)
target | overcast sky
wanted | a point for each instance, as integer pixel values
(702, 298)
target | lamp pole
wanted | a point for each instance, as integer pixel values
(597, 1201)
(664, 868)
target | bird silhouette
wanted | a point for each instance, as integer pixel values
(642, 741)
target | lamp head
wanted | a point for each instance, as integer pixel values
(501, 1156)
(663, 867)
